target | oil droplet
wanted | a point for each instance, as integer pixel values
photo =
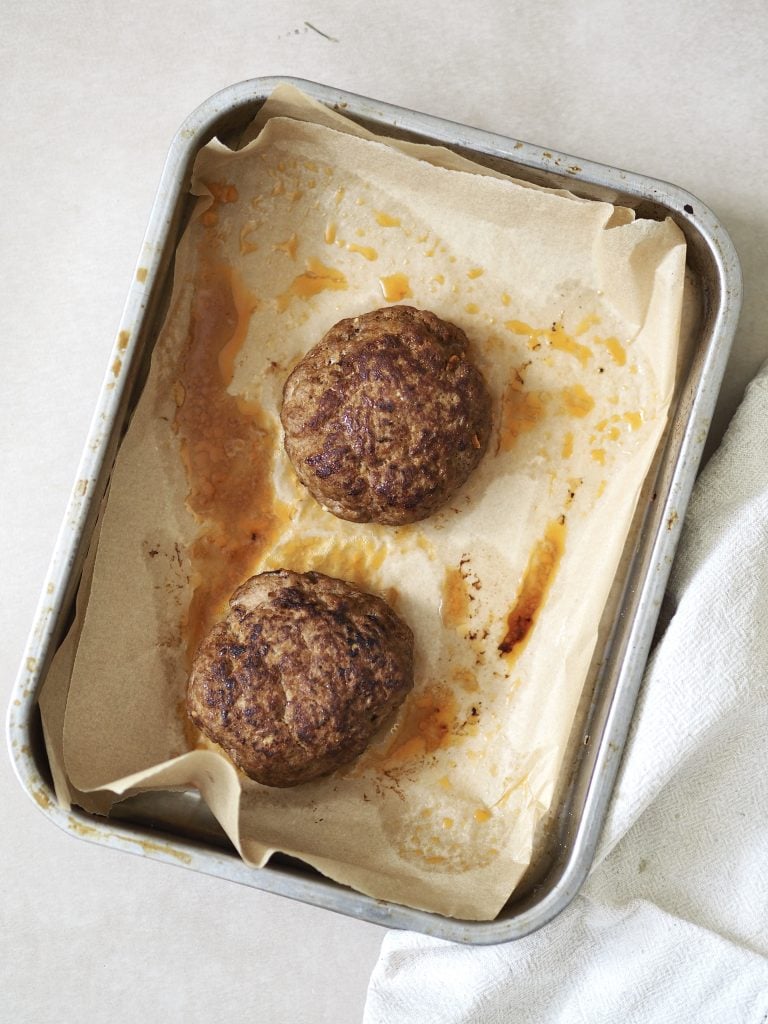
(520, 327)
(395, 287)
(471, 307)
(447, 822)
(210, 218)
(598, 454)
(588, 321)
(577, 401)
(363, 250)
(439, 279)
(634, 419)
(117, 367)
(505, 299)
(141, 275)
(482, 815)
(445, 782)
(339, 195)
(475, 272)
(568, 445)
(330, 232)
(384, 220)
(537, 579)
(600, 490)
(616, 350)
(278, 188)
(122, 340)
(315, 279)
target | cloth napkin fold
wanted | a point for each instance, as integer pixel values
(672, 924)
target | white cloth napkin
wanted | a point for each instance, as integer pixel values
(672, 924)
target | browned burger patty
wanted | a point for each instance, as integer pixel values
(297, 678)
(386, 417)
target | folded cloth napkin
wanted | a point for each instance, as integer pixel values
(672, 924)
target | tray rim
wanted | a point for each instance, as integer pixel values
(317, 890)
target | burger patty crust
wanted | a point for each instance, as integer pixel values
(297, 678)
(386, 417)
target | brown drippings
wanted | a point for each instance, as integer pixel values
(454, 607)
(537, 580)
(521, 410)
(428, 724)
(466, 679)
(245, 305)
(227, 447)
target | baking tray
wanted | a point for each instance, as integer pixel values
(177, 827)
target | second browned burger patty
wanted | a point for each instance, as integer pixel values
(296, 680)
(386, 417)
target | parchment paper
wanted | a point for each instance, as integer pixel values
(573, 312)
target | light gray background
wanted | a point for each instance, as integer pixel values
(92, 94)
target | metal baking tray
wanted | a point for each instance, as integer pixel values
(177, 827)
